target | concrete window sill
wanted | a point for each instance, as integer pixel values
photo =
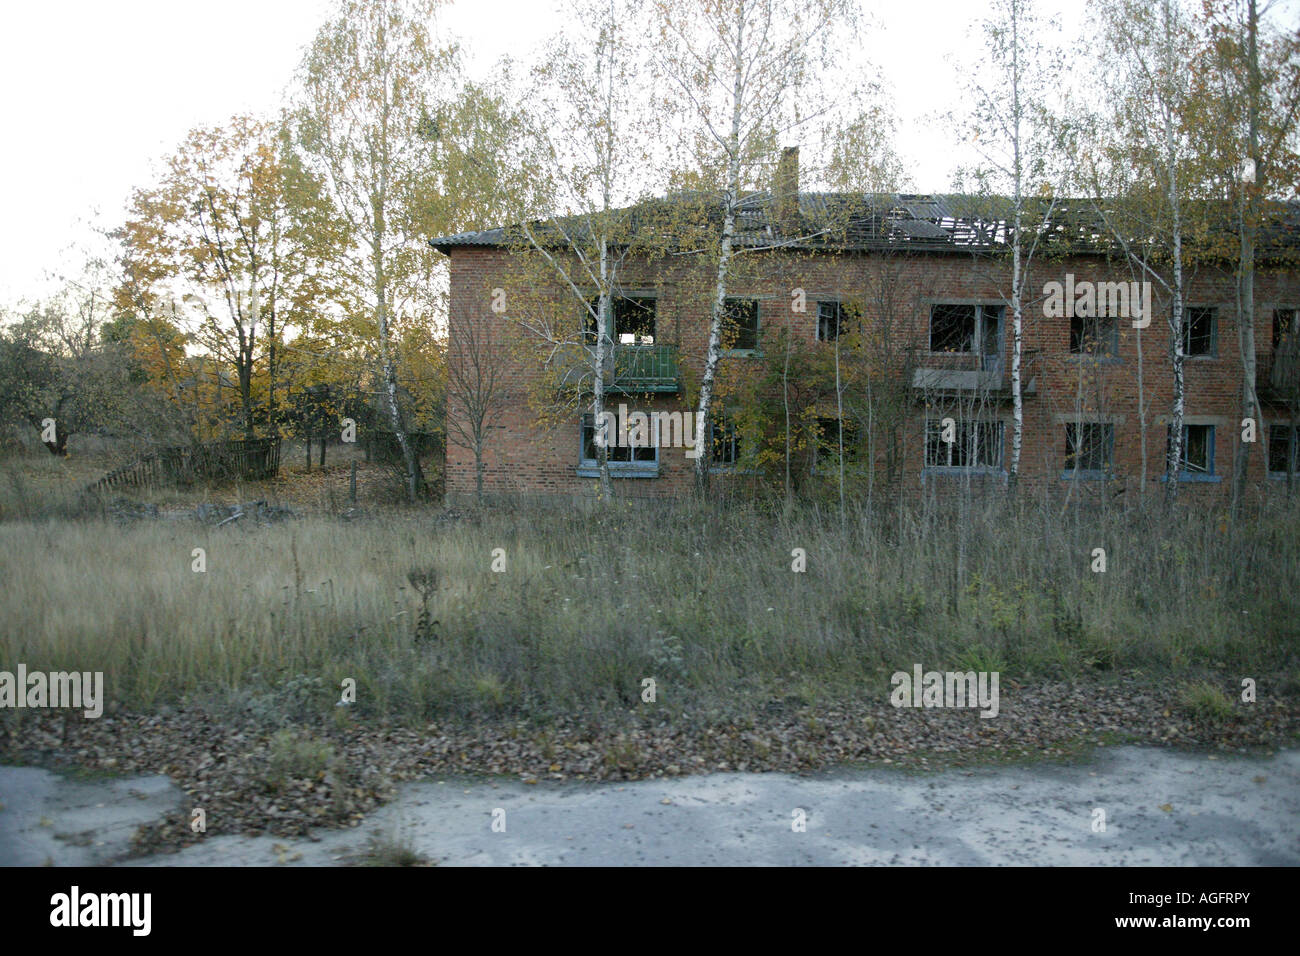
(945, 471)
(1088, 475)
(593, 471)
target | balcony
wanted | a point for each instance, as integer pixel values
(962, 373)
(634, 369)
(645, 368)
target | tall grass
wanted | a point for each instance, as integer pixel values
(590, 603)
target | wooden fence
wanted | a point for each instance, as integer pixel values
(251, 460)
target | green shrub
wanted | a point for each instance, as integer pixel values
(1203, 701)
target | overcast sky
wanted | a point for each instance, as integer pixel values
(95, 93)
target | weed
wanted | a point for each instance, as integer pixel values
(1203, 701)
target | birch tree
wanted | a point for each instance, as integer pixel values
(367, 124)
(1249, 99)
(1148, 86)
(1010, 128)
(743, 74)
(590, 132)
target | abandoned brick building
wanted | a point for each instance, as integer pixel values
(924, 281)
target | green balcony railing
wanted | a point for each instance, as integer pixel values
(645, 368)
(634, 368)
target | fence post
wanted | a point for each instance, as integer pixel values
(352, 484)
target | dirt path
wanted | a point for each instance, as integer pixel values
(1161, 808)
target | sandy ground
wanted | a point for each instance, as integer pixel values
(1161, 807)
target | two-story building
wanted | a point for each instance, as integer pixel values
(923, 284)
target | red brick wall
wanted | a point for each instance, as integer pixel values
(525, 455)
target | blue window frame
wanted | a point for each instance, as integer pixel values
(836, 318)
(973, 329)
(1089, 451)
(975, 448)
(625, 461)
(1281, 451)
(1197, 454)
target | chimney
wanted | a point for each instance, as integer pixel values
(785, 191)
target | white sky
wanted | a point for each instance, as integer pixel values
(95, 93)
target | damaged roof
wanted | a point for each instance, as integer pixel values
(917, 222)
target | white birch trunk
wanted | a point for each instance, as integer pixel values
(1246, 282)
(731, 196)
(1173, 465)
(1017, 317)
(598, 380)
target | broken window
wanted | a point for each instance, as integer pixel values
(835, 319)
(952, 328)
(974, 445)
(725, 444)
(740, 325)
(966, 328)
(1281, 450)
(1199, 332)
(1094, 335)
(1198, 450)
(1089, 448)
(633, 320)
(826, 447)
(1284, 325)
(619, 455)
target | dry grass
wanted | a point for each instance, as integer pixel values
(591, 603)
(35, 484)
(1202, 700)
(393, 851)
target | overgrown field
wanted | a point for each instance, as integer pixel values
(36, 485)
(590, 603)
